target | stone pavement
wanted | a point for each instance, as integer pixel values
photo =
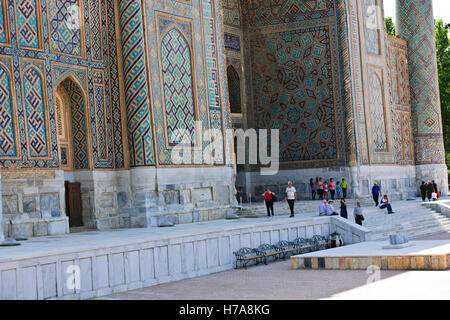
(278, 281)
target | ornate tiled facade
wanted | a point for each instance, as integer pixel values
(416, 25)
(103, 91)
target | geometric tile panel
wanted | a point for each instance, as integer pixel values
(114, 87)
(2, 23)
(214, 59)
(33, 91)
(293, 92)
(231, 13)
(178, 88)
(65, 26)
(136, 86)
(232, 42)
(62, 27)
(79, 128)
(417, 28)
(96, 29)
(7, 129)
(100, 115)
(27, 23)
(267, 12)
(377, 111)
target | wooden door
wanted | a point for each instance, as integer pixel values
(73, 204)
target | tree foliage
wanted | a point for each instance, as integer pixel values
(390, 26)
(443, 62)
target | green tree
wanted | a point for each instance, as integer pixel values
(443, 62)
(390, 26)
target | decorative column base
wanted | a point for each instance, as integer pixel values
(436, 172)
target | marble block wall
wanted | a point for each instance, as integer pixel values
(32, 204)
(144, 262)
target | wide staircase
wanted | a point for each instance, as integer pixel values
(410, 217)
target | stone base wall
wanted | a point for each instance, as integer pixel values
(399, 182)
(33, 203)
(436, 172)
(181, 195)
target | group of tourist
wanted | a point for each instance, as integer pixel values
(332, 189)
(429, 190)
(325, 189)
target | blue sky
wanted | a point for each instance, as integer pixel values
(441, 9)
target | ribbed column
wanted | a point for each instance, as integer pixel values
(415, 24)
(136, 84)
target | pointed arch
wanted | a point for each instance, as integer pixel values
(178, 86)
(377, 107)
(8, 134)
(34, 100)
(234, 90)
(79, 125)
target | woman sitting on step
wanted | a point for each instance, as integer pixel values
(385, 204)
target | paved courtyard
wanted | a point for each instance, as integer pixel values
(277, 281)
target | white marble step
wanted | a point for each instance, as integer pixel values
(413, 232)
(406, 221)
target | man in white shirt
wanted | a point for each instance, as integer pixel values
(330, 209)
(323, 208)
(291, 196)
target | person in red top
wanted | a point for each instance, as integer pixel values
(268, 197)
(332, 187)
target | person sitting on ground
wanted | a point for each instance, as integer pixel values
(323, 208)
(358, 214)
(385, 204)
(330, 209)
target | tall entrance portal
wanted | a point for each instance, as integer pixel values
(73, 148)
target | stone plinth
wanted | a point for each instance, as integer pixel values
(424, 255)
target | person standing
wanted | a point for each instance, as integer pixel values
(344, 209)
(325, 190)
(320, 188)
(358, 214)
(312, 187)
(291, 196)
(385, 204)
(344, 188)
(338, 189)
(435, 188)
(332, 187)
(268, 197)
(423, 190)
(376, 193)
(430, 190)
